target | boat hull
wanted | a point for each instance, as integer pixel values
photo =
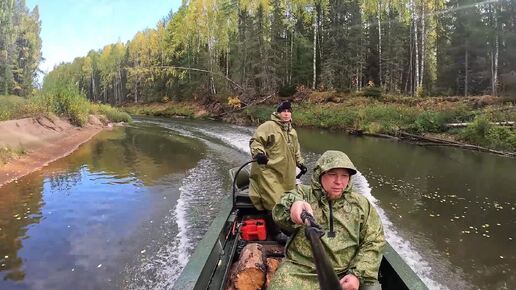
(209, 264)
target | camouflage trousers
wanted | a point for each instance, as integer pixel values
(290, 276)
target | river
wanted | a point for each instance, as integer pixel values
(126, 209)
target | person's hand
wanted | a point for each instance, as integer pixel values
(303, 169)
(297, 208)
(349, 282)
(261, 159)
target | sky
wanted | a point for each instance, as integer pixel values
(71, 28)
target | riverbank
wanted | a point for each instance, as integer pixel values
(429, 121)
(31, 143)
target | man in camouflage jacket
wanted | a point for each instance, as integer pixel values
(356, 250)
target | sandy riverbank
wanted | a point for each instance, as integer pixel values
(43, 140)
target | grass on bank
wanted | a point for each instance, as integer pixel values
(378, 115)
(65, 101)
(167, 109)
(8, 153)
(415, 115)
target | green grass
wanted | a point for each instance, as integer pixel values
(64, 101)
(113, 114)
(10, 107)
(406, 114)
(7, 153)
(169, 109)
(483, 133)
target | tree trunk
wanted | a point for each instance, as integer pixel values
(293, 37)
(466, 69)
(227, 62)
(416, 48)
(494, 73)
(315, 51)
(249, 272)
(409, 79)
(423, 46)
(379, 44)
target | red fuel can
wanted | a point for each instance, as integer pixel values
(254, 229)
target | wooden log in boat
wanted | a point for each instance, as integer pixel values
(249, 271)
(272, 266)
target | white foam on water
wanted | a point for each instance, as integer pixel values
(235, 139)
(403, 247)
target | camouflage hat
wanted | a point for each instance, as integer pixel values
(335, 159)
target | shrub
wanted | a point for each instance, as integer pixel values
(420, 92)
(287, 91)
(372, 92)
(66, 100)
(476, 132)
(7, 153)
(428, 121)
(113, 114)
(502, 138)
(10, 107)
(259, 113)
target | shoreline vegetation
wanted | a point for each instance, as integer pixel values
(47, 126)
(483, 123)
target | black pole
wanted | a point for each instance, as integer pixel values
(327, 277)
(235, 178)
(331, 233)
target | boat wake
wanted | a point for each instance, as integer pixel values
(400, 245)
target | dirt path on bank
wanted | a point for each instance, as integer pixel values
(44, 140)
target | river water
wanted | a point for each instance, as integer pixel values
(126, 209)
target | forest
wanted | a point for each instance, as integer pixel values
(214, 48)
(211, 49)
(20, 48)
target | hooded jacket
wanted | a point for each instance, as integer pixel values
(358, 245)
(278, 140)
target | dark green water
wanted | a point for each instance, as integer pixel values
(126, 209)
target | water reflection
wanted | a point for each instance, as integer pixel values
(20, 207)
(73, 224)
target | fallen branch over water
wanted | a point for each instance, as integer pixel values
(462, 125)
(430, 141)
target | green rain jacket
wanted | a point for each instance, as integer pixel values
(358, 245)
(277, 140)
